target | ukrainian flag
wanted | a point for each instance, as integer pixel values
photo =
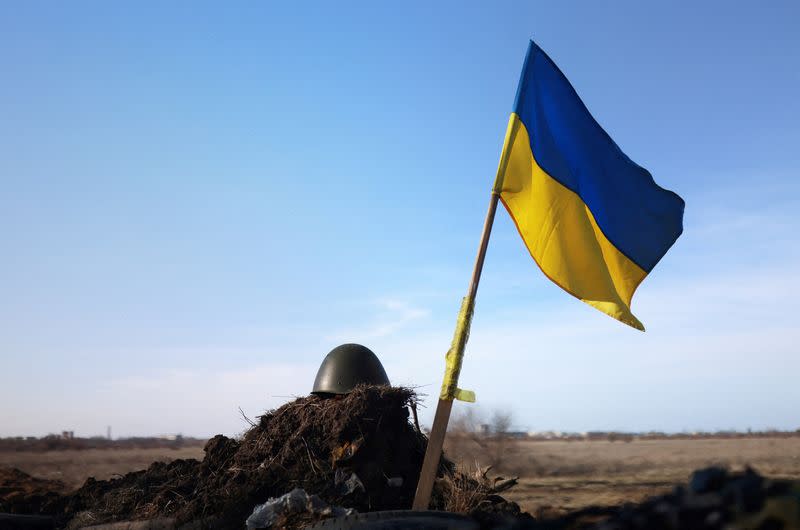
(594, 221)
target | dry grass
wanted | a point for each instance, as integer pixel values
(463, 491)
(558, 476)
(74, 467)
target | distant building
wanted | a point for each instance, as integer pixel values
(516, 434)
(596, 435)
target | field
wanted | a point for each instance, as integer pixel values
(555, 476)
(73, 467)
(558, 476)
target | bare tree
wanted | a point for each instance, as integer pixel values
(502, 419)
(474, 440)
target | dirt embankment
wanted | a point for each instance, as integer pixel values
(358, 451)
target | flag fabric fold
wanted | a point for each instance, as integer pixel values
(594, 221)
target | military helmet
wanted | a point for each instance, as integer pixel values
(346, 367)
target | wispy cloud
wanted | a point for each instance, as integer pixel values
(720, 351)
(715, 356)
(387, 316)
(201, 402)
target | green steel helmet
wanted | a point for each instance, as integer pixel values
(346, 367)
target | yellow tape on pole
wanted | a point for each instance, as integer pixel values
(455, 355)
(511, 133)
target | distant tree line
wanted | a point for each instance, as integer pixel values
(55, 442)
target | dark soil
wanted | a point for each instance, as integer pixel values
(21, 493)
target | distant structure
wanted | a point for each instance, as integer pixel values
(514, 434)
(171, 437)
(108, 432)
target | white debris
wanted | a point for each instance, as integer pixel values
(295, 502)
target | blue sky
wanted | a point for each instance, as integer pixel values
(198, 201)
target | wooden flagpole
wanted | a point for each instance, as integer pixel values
(436, 440)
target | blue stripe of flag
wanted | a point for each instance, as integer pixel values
(639, 217)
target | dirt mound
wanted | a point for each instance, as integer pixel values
(21, 493)
(358, 451)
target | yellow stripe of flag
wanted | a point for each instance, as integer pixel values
(562, 235)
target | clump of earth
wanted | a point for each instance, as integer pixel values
(23, 494)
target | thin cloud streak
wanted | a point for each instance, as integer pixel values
(391, 315)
